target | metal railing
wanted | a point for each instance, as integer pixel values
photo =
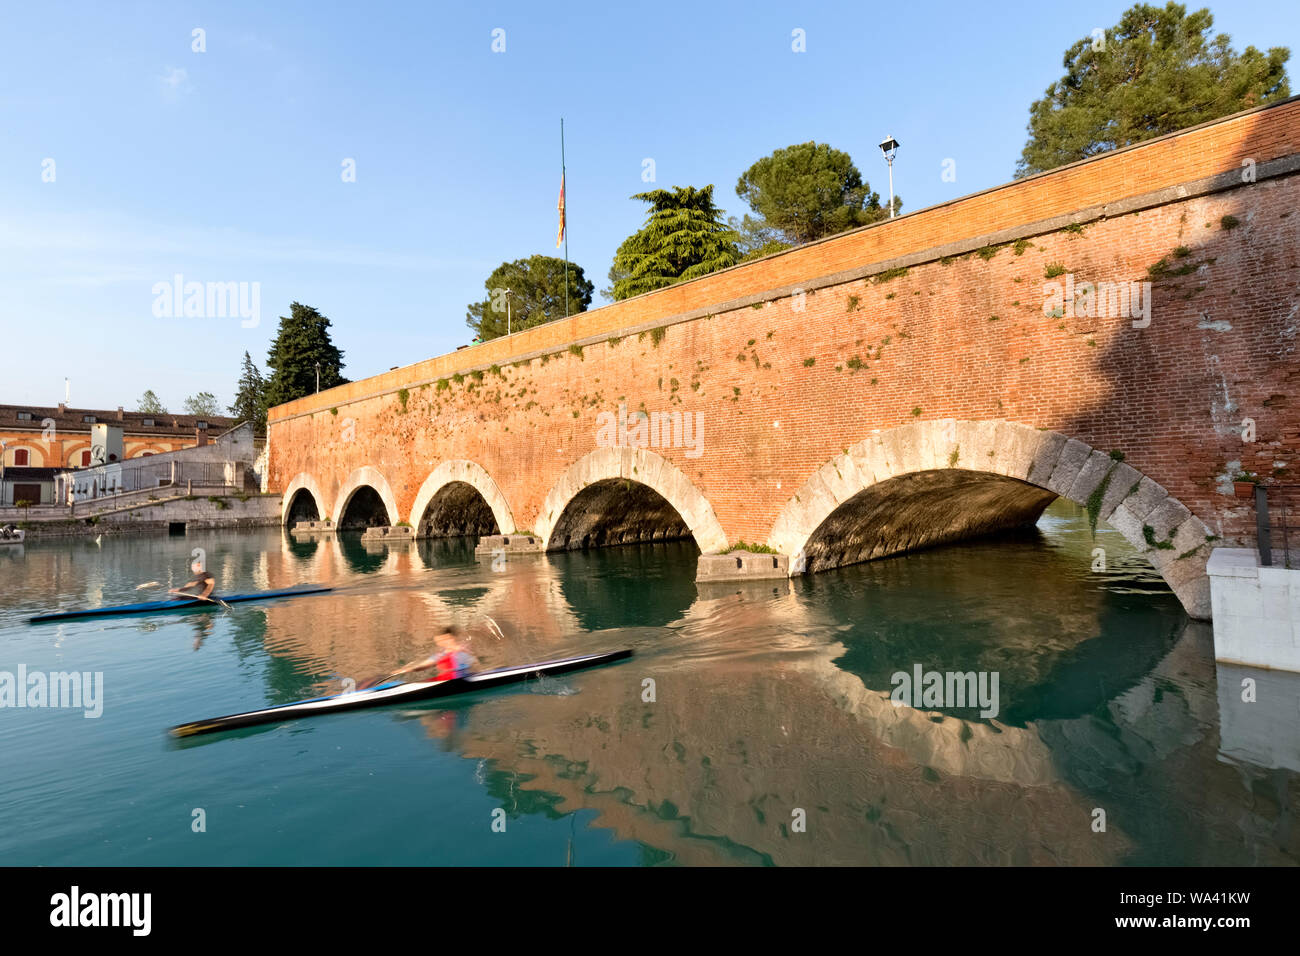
(1277, 515)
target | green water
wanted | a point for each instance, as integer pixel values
(770, 738)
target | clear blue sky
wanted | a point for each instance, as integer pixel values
(225, 165)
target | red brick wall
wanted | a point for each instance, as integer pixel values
(1220, 347)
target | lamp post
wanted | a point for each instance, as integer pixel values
(318, 377)
(889, 147)
(508, 296)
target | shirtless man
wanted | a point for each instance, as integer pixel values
(201, 587)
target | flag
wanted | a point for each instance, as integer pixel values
(559, 240)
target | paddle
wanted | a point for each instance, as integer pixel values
(493, 629)
(192, 597)
(376, 681)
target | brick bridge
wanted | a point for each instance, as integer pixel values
(945, 374)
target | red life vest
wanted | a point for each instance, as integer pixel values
(450, 664)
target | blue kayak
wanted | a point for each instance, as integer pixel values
(176, 604)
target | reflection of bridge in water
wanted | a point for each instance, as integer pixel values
(712, 769)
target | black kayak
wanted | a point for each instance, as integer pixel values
(174, 605)
(396, 692)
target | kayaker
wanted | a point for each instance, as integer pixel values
(450, 661)
(201, 587)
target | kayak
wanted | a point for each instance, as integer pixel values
(174, 605)
(396, 692)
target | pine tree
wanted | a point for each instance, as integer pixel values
(250, 395)
(536, 287)
(805, 192)
(302, 342)
(683, 238)
(1157, 71)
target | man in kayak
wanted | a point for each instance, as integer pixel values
(450, 661)
(201, 587)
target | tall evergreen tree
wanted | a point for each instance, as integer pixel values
(1157, 71)
(250, 395)
(805, 192)
(150, 404)
(536, 287)
(684, 237)
(303, 341)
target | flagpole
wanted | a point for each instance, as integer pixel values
(564, 180)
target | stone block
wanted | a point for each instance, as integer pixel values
(741, 566)
(1068, 466)
(1094, 471)
(1046, 455)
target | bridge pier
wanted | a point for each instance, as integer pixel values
(1256, 610)
(494, 545)
(741, 566)
(395, 534)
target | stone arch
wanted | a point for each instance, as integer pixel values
(1023, 469)
(301, 482)
(472, 474)
(365, 476)
(643, 467)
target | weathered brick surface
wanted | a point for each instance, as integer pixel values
(963, 339)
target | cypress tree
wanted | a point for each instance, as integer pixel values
(303, 340)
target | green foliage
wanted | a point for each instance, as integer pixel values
(536, 287)
(403, 396)
(302, 341)
(752, 548)
(657, 335)
(250, 395)
(1159, 70)
(1095, 499)
(576, 349)
(807, 191)
(150, 405)
(1149, 534)
(204, 404)
(1054, 269)
(683, 238)
(1020, 246)
(986, 252)
(809, 362)
(1227, 222)
(889, 275)
(755, 238)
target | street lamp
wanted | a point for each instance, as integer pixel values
(508, 296)
(318, 369)
(889, 147)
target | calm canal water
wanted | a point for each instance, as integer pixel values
(770, 706)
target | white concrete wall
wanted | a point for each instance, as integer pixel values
(1256, 610)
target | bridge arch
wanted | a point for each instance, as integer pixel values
(447, 482)
(637, 465)
(365, 477)
(935, 481)
(307, 485)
